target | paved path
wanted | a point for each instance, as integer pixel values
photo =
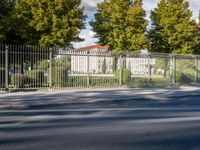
(120, 119)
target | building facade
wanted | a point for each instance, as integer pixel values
(99, 63)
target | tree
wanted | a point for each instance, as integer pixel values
(197, 35)
(172, 28)
(5, 8)
(120, 24)
(50, 23)
(8, 31)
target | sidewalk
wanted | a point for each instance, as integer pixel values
(25, 100)
(181, 91)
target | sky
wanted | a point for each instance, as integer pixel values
(90, 9)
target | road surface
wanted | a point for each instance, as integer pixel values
(119, 119)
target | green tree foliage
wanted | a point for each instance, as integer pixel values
(120, 24)
(50, 22)
(172, 28)
(8, 31)
(5, 12)
(197, 36)
(5, 8)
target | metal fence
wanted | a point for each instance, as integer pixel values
(39, 68)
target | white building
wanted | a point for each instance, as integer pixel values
(96, 56)
(139, 66)
(100, 63)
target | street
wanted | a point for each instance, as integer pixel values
(119, 119)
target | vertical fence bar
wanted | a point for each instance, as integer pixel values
(88, 69)
(120, 70)
(6, 68)
(196, 67)
(50, 67)
(149, 68)
(172, 69)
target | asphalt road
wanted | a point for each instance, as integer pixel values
(121, 119)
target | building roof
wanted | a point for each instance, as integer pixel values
(89, 48)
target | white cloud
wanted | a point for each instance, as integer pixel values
(195, 7)
(90, 5)
(149, 5)
(88, 35)
(90, 9)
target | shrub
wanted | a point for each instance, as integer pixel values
(154, 82)
(93, 81)
(186, 76)
(77, 81)
(103, 81)
(36, 77)
(18, 80)
(59, 76)
(2, 77)
(185, 71)
(140, 82)
(126, 75)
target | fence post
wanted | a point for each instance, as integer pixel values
(50, 67)
(196, 67)
(149, 68)
(120, 70)
(6, 67)
(88, 69)
(172, 69)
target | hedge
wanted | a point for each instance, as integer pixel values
(59, 76)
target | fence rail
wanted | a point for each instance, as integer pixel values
(41, 68)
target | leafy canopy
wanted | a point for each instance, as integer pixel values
(172, 28)
(50, 22)
(197, 37)
(120, 24)
(7, 22)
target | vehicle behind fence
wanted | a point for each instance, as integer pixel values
(39, 68)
